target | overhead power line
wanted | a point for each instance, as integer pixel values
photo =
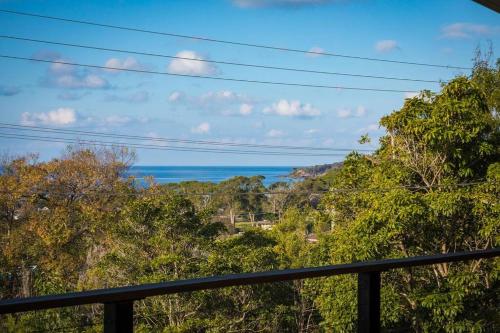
(221, 41)
(205, 77)
(170, 140)
(156, 147)
(291, 69)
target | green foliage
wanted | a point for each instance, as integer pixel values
(433, 186)
(413, 203)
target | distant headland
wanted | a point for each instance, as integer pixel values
(314, 171)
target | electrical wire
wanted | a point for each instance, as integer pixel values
(236, 43)
(217, 61)
(188, 141)
(155, 147)
(205, 77)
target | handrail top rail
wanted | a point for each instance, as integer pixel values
(121, 294)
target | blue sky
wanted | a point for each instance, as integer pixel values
(440, 32)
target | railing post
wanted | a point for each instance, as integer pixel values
(119, 317)
(369, 302)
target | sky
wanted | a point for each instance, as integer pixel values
(444, 32)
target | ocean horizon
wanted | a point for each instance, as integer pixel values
(215, 174)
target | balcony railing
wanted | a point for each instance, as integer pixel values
(118, 302)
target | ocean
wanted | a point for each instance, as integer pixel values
(215, 174)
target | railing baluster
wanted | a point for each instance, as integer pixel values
(369, 302)
(119, 317)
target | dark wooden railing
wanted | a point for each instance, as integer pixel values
(118, 302)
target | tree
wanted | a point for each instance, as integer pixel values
(295, 251)
(161, 237)
(410, 199)
(278, 198)
(54, 221)
(241, 195)
(262, 307)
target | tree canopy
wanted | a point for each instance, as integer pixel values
(432, 186)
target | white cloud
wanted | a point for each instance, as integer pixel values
(386, 45)
(246, 109)
(59, 68)
(225, 102)
(191, 67)
(344, 113)
(202, 128)
(369, 128)
(277, 3)
(176, 96)
(360, 111)
(411, 94)
(275, 133)
(292, 108)
(114, 64)
(155, 139)
(66, 76)
(57, 117)
(68, 116)
(314, 52)
(468, 30)
(221, 97)
(75, 81)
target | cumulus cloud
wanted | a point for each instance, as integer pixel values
(246, 109)
(134, 98)
(293, 108)
(314, 52)
(76, 81)
(222, 97)
(360, 111)
(202, 128)
(468, 30)
(114, 64)
(66, 76)
(57, 117)
(225, 102)
(278, 3)
(176, 96)
(386, 45)
(191, 67)
(64, 116)
(275, 133)
(8, 91)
